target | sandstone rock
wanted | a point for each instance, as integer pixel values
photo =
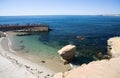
(67, 53)
(58, 75)
(96, 69)
(114, 47)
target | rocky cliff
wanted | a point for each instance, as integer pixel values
(114, 47)
(98, 69)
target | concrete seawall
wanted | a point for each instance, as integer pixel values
(25, 28)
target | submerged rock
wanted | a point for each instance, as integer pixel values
(67, 53)
(101, 56)
(25, 34)
(80, 37)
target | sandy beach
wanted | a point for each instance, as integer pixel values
(52, 63)
(13, 66)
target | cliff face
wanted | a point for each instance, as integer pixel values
(98, 69)
(114, 47)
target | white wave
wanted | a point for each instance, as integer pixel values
(73, 66)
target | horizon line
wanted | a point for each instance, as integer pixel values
(63, 15)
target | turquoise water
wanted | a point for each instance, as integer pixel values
(95, 29)
(32, 45)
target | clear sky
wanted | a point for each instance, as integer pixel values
(59, 7)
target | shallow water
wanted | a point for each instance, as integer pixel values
(95, 29)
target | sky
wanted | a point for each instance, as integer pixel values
(58, 7)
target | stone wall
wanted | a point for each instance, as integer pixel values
(24, 28)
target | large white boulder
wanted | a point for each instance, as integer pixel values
(67, 53)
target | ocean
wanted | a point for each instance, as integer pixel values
(95, 29)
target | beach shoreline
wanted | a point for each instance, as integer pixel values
(25, 60)
(49, 63)
(37, 71)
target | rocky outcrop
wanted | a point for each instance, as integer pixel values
(114, 47)
(98, 69)
(101, 56)
(80, 37)
(67, 53)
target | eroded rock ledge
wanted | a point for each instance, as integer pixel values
(98, 69)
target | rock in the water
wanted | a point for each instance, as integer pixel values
(80, 37)
(67, 53)
(100, 55)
